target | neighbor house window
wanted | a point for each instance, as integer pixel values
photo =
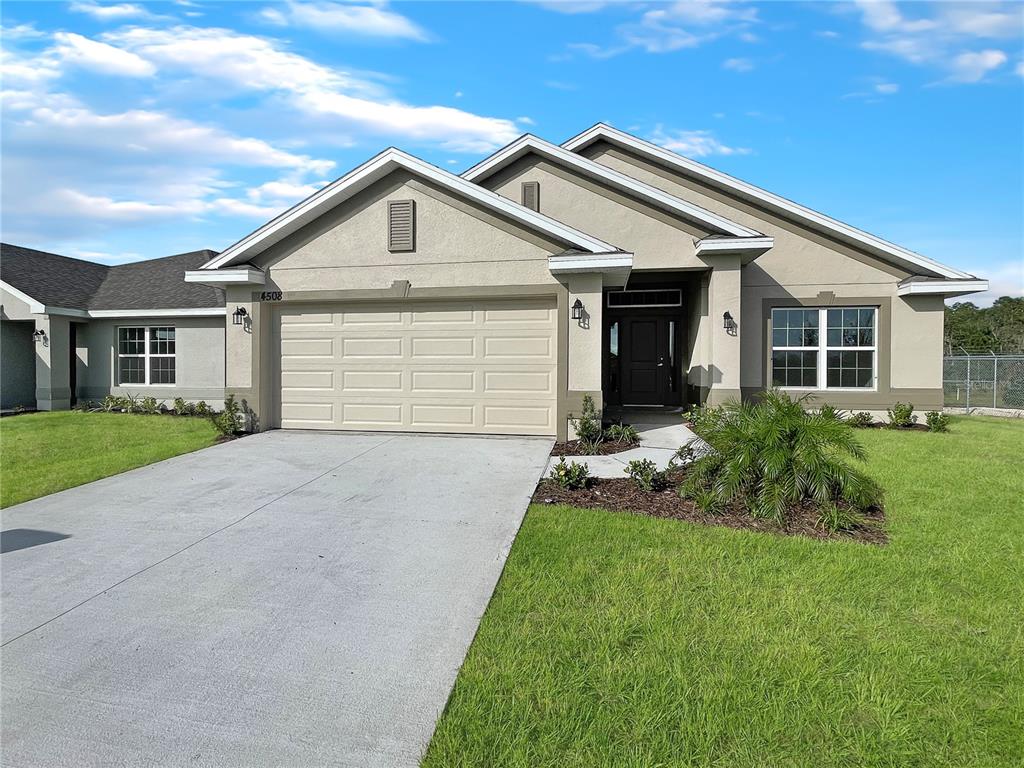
(826, 348)
(145, 355)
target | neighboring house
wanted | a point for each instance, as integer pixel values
(76, 330)
(403, 297)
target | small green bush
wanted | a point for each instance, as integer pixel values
(623, 433)
(937, 421)
(571, 475)
(201, 409)
(149, 405)
(901, 416)
(834, 518)
(646, 475)
(588, 425)
(772, 454)
(227, 421)
(861, 420)
(182, 407)
(112, 403)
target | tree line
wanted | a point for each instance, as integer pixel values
(999, 328)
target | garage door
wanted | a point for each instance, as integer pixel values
(467, 366)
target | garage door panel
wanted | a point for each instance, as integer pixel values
(470, 366)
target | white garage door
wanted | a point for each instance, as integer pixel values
(453, 366)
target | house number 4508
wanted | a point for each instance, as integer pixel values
(270, 296)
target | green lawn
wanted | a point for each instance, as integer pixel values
(42, 453)
(618, 640)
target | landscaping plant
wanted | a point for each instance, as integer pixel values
(937, 421)
(834, 518)
(623, 433)
(646, 475)
(149, 405)
(901, 416)
(588, 426)
(860, 420)
(570, 475)
(772, 454)
(228, 420)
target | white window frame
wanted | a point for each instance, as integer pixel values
(823, 348)
(146, 356)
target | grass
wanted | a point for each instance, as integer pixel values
(42, 453)
(620, 640)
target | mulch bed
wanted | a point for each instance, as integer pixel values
(606, 447)
(622, 495)
(885, 425)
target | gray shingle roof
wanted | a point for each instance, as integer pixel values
(60, 281)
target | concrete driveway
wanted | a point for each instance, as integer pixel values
(290, 599)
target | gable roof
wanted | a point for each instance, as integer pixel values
(61, 282)
(883, 249)
(377, 168)
(528, 143)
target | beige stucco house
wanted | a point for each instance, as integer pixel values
(403, 297)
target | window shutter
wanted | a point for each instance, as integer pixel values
(401, 225)
(531, 195)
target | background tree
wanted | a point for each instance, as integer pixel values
(999, 328)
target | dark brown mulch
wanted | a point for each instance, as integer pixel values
(606, 447)
(622, 495)
(885, 425)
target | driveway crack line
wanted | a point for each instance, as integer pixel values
(197, 541)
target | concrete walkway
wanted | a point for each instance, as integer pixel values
(659, 442)
(290, 599)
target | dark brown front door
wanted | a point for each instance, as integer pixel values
(647, 361)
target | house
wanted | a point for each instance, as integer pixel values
(403, 297)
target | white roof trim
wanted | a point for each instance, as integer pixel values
(235, 276)
(614, 266)
(34, 307)
(942, 287)
(890, 251)
(182, 312)
(529, 143)
(734, 245)
(374, 169)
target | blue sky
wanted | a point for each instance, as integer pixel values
(142, 129)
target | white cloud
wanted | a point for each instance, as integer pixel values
(250, 63)
(973, 66)
(694, 143)
(282, 191)
(887, 88)
(526, 120)
(1006, 279)
(117, 12)
(370, 20)
(828, 34)
(947, 39)
(1019, 69)
(738, 65)
(100, 57)
(572, 6)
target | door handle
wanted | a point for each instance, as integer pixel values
(661, 361)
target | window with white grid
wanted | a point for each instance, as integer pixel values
(145, 355)
(844, 356)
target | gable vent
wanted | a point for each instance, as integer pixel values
(531, 195)
(401, 225)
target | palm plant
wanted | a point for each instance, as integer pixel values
(772, 454)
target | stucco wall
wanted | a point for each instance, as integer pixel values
(802, 265)
(17, 364)
(13, 307)
(199, 364)
(657, 239)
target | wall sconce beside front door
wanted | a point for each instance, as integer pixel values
(238, 316)
(577, 310)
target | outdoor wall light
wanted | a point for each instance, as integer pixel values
(39, 335)
(728, 323)
(238, 315)
(577, 310)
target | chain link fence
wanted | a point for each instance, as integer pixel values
(983, 381)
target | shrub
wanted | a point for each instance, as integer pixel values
(112, 403)
(901, 416)
(149, 405)
(860, 420)
(201, 409)
(623, 433)
(131, 404)
(937, 421)
(571, 475)
(182, 407)
(834, 518)
(83, 406)
(685, 454)
(646, 475)
(588, 425)
(227, 420)
(772, 454)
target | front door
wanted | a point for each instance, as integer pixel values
(648, 361)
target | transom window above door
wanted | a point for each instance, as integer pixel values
(146, 355)
(646, 297)
(844, 356)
